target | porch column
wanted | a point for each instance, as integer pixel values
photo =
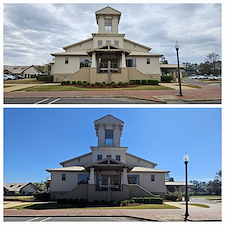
(174, 75)
(93, 59)
(92, 176)
(179, 193)
(123, 63)
(125, 176)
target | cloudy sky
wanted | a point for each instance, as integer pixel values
(33, 31)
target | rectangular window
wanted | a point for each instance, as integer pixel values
(109, 156)
(148, 60)
(99, 157)
(83, 178)
(118, 157)
(85, 62)
(116, 43)
(133, 179)
(152, 177)
(131, 62)
(63, 176)
(108, 42)
(66, 60)
(99, 42)
(108, 25)
(109, 137)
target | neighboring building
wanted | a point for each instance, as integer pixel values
(107, 56)
(108, 172)
(19, 189)
(24, 71)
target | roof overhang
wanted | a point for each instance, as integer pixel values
(108, 49)
(108, 164)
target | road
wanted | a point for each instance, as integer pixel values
(76, 101)
(71, 219)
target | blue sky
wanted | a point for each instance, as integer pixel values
(36, 139)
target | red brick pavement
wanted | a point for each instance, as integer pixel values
(195, 214)
(207, 92)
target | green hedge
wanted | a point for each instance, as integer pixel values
(42, 196)
(171, 197)
(144, 82)
(45, 78)
(166, 79)
(148, 200)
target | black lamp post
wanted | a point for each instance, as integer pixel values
(179, 80)
(186, 159)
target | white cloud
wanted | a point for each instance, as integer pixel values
(33, 31)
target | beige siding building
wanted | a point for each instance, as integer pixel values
(107, 56)
(108, 172)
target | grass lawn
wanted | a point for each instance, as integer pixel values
(24, 81)
(71, 206)
(199, 205)
(75, 88)
(192, 86)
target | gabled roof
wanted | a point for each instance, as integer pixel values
(109, 48)
(108, 164)
(135, 43)
(109, 119)
(79, 157)
(108, 11)
(77, 43)
(134, 156)
(16, 187)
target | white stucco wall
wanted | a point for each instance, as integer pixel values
(85, 45)
(134, 47)
(61, 68)
(57, 184)
(28, 189)
(133, 161)
(152, 68)
(30, 71)
(79, 161)
(109, 151)
(153, 186)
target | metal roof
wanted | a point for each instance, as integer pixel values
(68, 169)
(147, 169)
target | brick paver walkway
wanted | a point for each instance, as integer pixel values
(207, 92)
(195, 213)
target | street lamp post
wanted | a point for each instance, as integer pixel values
(179, 79)
(186, 159)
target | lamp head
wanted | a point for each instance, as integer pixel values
(177, 46)
(186, 158)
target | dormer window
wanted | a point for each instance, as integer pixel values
(109, 137)
(108, 25)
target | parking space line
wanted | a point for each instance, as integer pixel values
(46, 219)
(41, 101)
(54, 101)
(35, 218)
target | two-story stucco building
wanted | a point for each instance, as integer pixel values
(108, 172)
(106, 56)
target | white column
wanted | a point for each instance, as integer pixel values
(125, 176)
(123, 63)
(92, 176)
(93, 59)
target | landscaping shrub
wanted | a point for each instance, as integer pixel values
(166, 78)
(132, 201)
(42, 196)
(61, 201)
(156, 200)
(79, 82)
(114, 85)
(171, 197)
(140, 200)
(152, 82)
(147, 200)
(132, 82)
(135, 199)
(143, 82)
(137, 82)
(120, 83)
(74, 82)
(45, 78)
